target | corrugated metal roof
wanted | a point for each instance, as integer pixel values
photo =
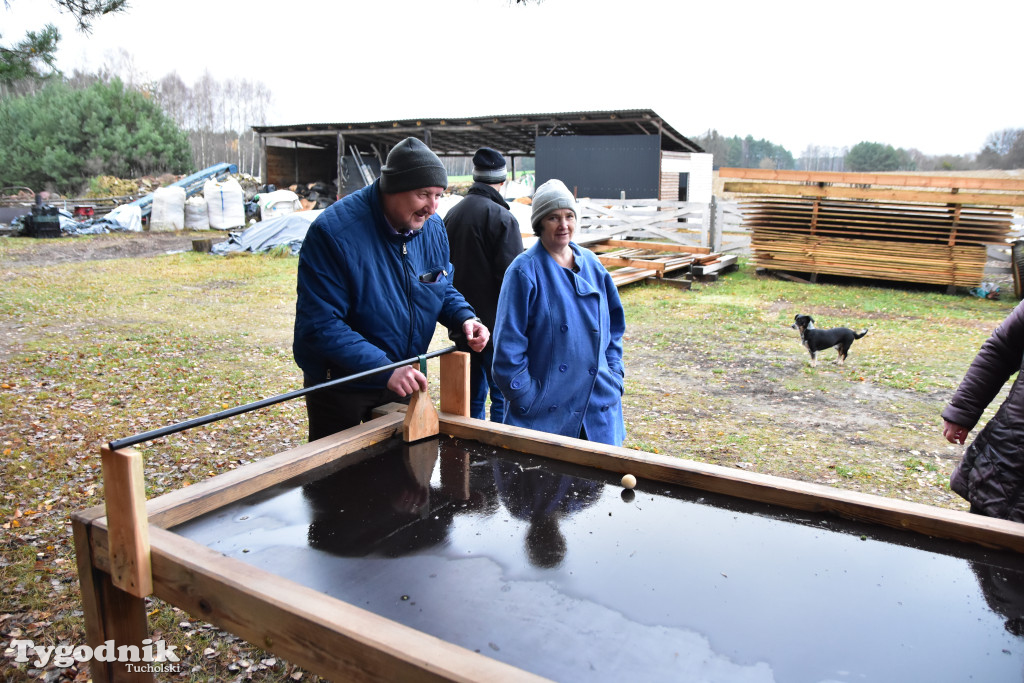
(510, 134)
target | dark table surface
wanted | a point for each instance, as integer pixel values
(558, 570)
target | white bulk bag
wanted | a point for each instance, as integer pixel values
(278, 203)
(196, 217)
(225, 204)
(168, 213)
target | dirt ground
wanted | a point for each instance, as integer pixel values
(102, 247)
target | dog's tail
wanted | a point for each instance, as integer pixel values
(857, 335)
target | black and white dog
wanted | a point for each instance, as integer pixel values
(818, 340)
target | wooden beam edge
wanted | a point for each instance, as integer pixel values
(930, 520)
(323, 634)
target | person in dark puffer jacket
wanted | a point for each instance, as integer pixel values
(484, 238)
(374, 280)
(991, 474)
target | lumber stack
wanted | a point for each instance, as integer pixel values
(633, 260)
(927, 229)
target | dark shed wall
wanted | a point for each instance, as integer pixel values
(287, 166)
(602, 165)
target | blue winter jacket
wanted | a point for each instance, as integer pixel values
(368, 297)
(558, 346)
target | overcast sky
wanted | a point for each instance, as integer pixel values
(936, 76)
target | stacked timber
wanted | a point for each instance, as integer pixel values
(630, 261)
(927, 229)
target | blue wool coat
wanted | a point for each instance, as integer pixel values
(368, 297)
(558, 346)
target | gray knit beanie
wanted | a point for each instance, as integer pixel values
(550, 196)
(489, 166)
(411, 165)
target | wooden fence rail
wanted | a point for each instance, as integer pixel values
(717, 225)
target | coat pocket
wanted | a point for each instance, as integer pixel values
(435, 281)
(523, 393)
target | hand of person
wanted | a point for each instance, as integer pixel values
(476, 333)
(954, 433)
(406, 380)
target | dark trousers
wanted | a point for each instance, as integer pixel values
(333, 409)
(480, 381)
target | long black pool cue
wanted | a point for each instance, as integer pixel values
(238, 410)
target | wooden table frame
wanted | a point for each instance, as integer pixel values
(342, 642)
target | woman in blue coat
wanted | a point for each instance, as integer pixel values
(558, 332)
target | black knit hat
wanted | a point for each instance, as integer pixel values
(411, 165)
(489, 166)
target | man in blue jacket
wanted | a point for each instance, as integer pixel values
(374, 280)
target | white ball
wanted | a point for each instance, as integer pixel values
(628, 480)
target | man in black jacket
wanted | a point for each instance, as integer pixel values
(484, 238)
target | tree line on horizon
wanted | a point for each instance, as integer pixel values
(59, 131)
(1002, 150)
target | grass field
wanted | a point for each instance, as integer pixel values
(98, 350)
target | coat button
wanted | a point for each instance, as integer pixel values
(564, 328)
(563, 367)
(515, 384)
(522, 410)
(552, 409)
(604, 409)
(593, 371)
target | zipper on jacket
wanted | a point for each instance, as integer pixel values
(408, 292)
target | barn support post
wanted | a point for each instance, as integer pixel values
(264, 164)
(714, 226)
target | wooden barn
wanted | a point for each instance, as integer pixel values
(631, 153)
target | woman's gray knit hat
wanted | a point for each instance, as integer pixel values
(411, 165)
(489, 166)
(550, 196)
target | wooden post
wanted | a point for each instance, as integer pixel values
(455, 383)
(109, 612)
(124, 490)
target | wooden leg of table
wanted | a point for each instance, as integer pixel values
(111, 614)
(455, 383)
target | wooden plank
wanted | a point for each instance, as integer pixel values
(331, 638)
(89, 588)
(911, 262)
(860, 193)
(718, 266)
(420, 419)
(630, 263)
(939, 522)
(885, 179)
(454, 374)
(124, 492)
(109, 613)
(626, 276)
(184, 504)
(658, 246)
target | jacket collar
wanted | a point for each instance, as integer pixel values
(547, 262)
(485, 190)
